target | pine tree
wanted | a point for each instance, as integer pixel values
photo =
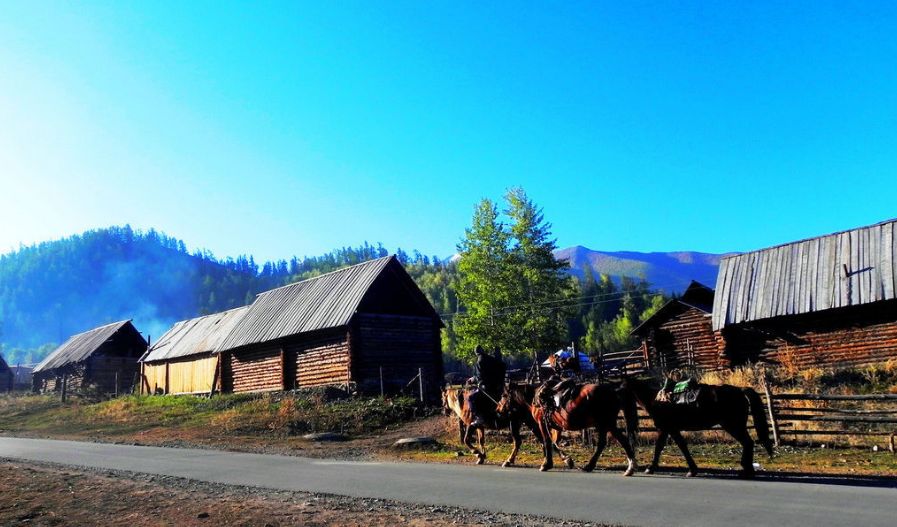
(542, 279)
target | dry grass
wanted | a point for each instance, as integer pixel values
(268, 415)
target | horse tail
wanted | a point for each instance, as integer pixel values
(630, 415)
(758, 412)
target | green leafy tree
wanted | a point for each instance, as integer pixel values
(484, 283)
(510, 285)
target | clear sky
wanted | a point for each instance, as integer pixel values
(294, 128)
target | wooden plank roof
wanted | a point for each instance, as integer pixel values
(81, 346)
(326, 301)
(194, 336)
(847, 268)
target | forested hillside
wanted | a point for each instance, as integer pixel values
(54, 289)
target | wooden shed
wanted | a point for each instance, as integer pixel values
(679, 335)
(340, 328)
(825, 301)
(6, 376)
(21, 377)
(96, 359)
(184, 359)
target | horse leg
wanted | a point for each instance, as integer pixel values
(567, 459)
(547, 446)
(468, 440)
(680, 442)
(599, 448)
(747, 454)
(627, 447)
(462, 430)
(662, 436)
(481, 442)
(515, 434)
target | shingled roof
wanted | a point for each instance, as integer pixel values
(194, 336)
(843, 269)
(81, 346)
(326, 301)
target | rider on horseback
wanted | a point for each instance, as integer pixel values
(555, 389)
(490, 373)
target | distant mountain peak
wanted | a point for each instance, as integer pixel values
(667, 271)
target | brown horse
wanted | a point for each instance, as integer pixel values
(724, 405)
(593, 405)
(455, 402)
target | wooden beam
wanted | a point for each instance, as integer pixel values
(283, 369)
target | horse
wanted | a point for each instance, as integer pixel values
(724, 405)
(455, 402)
(593, 405)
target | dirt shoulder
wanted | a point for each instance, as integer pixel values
(44, 494)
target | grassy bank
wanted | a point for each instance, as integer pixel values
(235, 419)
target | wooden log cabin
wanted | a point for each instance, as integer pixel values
(185, 359)
(365, 327)
(6, 376)
(95, 360)
(820, 302)
(679, 335)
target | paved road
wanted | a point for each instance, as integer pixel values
(598, 497)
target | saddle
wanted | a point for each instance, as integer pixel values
(554, 397)
(682, 392)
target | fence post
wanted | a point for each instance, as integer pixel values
(64, 383)
(382, 391)
(772, 414)
(116, 383)
(420, 380)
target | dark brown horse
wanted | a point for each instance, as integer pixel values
(593, 405)
(724, 405)
(455, 402)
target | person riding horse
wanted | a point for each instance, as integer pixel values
(553, 390)
(490, 375)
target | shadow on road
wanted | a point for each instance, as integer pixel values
(792, 477)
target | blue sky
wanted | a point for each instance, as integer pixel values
(293, 128)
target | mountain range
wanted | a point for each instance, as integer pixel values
(670, 272)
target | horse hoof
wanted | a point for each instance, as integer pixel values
(628, 472)
(544, 468)
(586, 469)
(691, 473)
(506, 464)
(745, 474)
(649, 471)
(569, 463)
(481, 460)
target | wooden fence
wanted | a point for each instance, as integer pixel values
(629, 362)
(799, 415)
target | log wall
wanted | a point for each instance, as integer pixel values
(835, 338)
(321, 360)
(51, 380)
(400, 345)
(101, 373)
(685, 340)
(256, 369)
